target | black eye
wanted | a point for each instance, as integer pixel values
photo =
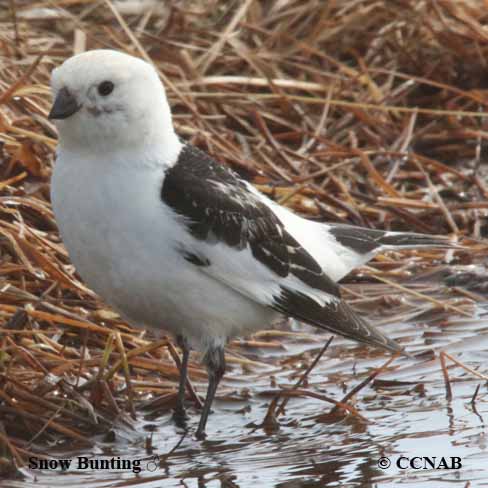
(105, 88)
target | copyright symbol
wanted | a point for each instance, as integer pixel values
(153, 465)
(384, 463)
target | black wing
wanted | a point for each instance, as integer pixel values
(220, 209)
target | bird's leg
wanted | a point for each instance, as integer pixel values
(179, 413)
(215, 362)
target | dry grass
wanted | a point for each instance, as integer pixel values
(367, 112)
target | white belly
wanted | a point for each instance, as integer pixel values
(124, 245)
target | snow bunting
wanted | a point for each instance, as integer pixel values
(174, 240)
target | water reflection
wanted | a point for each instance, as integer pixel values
(406, 415)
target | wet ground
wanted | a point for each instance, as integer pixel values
(404, 414)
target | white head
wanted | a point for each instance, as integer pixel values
(108, 100)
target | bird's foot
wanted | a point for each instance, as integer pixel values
(180, 417)
(200, 434)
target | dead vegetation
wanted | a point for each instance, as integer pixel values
(372, 113)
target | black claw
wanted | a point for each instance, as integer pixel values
(200, 435)
(180, 418)
(215, 360)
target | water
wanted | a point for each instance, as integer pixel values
(406, 415)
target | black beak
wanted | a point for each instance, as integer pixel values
(64, 106)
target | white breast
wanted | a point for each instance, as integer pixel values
(124, 243)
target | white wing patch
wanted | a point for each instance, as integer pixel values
(335, 260)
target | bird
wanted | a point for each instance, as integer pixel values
(173, 240)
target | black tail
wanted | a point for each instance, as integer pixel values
(408, 240)
(364, 241)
